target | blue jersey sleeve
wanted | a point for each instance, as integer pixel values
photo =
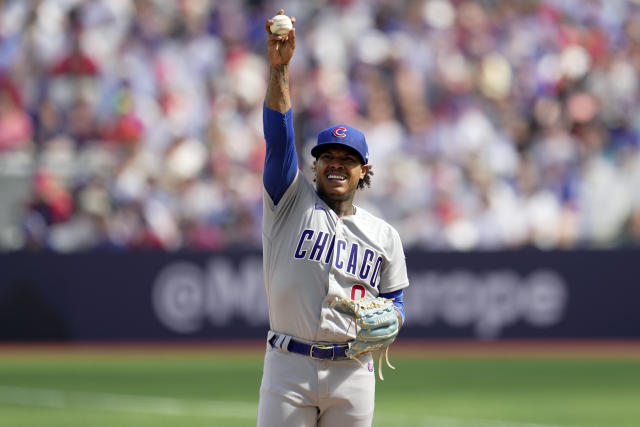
(281, 160)
(398, 301)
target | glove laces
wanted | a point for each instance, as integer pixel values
(383, 351)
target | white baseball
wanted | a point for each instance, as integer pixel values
(281, 25)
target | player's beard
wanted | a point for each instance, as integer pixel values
(333, 198)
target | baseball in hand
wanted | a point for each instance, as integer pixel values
(281, 25)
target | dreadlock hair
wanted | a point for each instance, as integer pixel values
(366, 181)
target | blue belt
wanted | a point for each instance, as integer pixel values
(315, 351)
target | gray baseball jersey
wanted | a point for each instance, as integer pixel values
(311, 256)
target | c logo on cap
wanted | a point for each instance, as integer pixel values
(340, 131)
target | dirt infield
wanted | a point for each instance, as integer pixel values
(587, 349)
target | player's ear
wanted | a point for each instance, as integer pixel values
(363, 170)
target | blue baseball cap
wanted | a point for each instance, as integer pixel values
(343, 135)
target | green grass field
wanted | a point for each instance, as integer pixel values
(207, 387)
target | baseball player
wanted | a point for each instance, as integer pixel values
(320, 248)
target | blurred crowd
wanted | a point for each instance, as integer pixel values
(491, 124)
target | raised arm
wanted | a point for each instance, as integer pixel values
(280, 50)
(281, 160)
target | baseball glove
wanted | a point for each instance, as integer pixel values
(376, 323)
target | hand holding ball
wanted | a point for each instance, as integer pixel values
(281, 25)
(281, 41)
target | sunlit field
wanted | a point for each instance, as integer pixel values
(218, 386)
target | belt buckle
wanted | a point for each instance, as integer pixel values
(321, 347)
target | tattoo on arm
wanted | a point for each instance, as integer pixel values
(278, 97)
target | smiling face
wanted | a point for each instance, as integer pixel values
(338, 170)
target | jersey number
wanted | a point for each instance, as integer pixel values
(355, 289)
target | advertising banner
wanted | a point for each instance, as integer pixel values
(203, 296)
